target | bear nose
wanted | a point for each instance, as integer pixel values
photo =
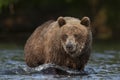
(69, 46)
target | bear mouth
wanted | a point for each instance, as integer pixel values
(75, 53)
(72, 52)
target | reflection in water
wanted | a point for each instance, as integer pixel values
(105, 66)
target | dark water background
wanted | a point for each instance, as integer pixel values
(104, 63)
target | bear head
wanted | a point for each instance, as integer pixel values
(74, 34)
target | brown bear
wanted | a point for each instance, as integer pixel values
(65, 42)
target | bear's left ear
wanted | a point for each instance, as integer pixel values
(61, 21)
(85, 21)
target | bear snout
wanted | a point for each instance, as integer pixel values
(70, 47)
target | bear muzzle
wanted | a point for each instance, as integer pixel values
(71, 48)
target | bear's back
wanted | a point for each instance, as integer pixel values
(32, 48)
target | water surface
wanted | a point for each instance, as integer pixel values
(104, 64)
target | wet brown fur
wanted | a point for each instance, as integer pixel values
(44, 46)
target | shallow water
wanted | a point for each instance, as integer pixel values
(103, 65)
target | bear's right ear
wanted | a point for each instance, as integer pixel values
(61, 21)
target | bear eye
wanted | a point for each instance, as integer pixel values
(64, 37)
(76, 35)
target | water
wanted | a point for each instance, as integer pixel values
(103, 65)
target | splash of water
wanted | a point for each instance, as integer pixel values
(47, 69)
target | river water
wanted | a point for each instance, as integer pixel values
(104, 64)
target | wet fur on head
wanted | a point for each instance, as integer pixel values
(75, 34)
